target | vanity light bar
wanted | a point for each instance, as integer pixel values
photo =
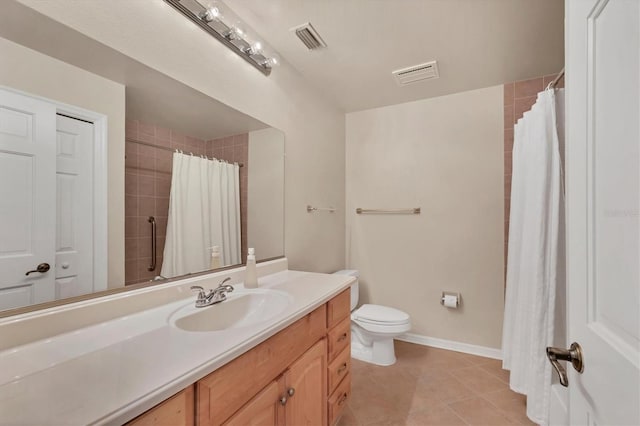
(211, 20)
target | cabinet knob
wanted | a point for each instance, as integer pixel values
(342, 368)
(291, 391)
(342, 337)
(283, 400)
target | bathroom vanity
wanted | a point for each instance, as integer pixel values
(299, 371)
(151, 367)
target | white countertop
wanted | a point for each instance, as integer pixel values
(111, 372)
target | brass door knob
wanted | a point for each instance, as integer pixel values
(573, 355)
(41, 268)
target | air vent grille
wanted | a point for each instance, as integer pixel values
(415, 73)
(309, 36)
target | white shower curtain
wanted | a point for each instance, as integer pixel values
(204, 211)
(532, 261)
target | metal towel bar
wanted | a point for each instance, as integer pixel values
(320, 209)
(415, 210)
(154, 238)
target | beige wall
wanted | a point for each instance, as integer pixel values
(444, 155)
(266, 202)
(29, 71)
(156, 35)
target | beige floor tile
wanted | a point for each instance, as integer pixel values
(429, 386)
(479, 411)
(348, 418)
(507, 400)
(447, 390)
(440, 415)
(512, 404)
(428, 357)
(494, 367)
(479, 380)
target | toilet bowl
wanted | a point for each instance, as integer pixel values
(373, 328)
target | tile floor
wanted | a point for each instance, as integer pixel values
(429, 386)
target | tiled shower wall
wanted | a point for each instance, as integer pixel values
(148, 185)
(519, 97)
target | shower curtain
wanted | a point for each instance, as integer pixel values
(204, 211)
(533, 256)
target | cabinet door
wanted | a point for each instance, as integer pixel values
(264, 409)
(175, 411)
(306, 388)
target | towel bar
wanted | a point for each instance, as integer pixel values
(415, 210)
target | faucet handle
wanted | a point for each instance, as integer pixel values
(226, 287)
(201, 293)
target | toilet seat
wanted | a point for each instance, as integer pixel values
(381, 319)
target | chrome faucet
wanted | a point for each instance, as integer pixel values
(214, 296)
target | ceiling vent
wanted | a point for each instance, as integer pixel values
(309, 36)
(415, 73)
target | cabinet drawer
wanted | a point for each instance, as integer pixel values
(339, 368)
(338, 308)
(338, 400)
(175, 411)
(339, 338)
(224, 391)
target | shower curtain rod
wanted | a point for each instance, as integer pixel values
(557, 79)
(165, 148)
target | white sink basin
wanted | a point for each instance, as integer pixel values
(242, 308)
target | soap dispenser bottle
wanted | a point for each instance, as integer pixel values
(251, 276)
(215, 258)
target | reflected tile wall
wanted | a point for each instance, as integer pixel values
(148, 186)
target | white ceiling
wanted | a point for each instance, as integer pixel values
(477, 43)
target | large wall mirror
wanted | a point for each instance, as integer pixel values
(112, 174)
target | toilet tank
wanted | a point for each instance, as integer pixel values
(355, 290)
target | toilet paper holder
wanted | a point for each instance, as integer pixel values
(450, 293)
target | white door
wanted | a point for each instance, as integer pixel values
(603, 208)
(27, 194)
(74, 207)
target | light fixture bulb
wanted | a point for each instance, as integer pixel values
(271, 62)
(235, 33)
(255, 49)
(211, 14)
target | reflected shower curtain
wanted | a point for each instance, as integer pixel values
(204, 211)
(532, 262)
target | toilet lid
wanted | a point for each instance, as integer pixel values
(380, 315)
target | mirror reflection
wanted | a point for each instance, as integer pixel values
(112, 173)
(188, 199)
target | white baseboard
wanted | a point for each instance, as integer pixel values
(451, 345)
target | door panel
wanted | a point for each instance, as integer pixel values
(613, 192)
(74, 207)
(603, 208)
(27, 194)
(263, 410)
(308, 379)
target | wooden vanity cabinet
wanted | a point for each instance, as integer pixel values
(299, 376)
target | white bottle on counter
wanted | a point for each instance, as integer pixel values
(215, 258)
(251, 276)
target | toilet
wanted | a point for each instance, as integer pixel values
(373, 328)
